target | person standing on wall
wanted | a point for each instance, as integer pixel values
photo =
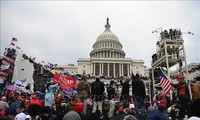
(125, 90)
(97, 90)
(138, 92)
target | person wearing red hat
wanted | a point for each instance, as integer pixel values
(179, 78)
(34, 107)
(79, 109)
(120, 114)
(183, 95)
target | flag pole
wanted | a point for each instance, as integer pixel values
(57, 89)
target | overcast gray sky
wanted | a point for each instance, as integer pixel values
(61, 32)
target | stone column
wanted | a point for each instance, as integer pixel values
(108, 70)
(122, 70)
(106, 53)
(128, 69)
(91, 69)
(102, 69)
(114, 69)
(94, 69)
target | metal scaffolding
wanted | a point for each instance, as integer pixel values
(170, 52)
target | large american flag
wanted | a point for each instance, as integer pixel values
(165, 82)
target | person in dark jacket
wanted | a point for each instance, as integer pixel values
(97, 90)
(183, 96)
(138, 92)
(47, 114)
(125, 90)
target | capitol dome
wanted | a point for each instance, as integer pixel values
(107, 45)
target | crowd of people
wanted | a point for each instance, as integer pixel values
(94, 101)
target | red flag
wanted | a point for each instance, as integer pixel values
(66, 81)
(57, 77)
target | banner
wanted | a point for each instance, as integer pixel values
(68, 92)
(66, 82)
(20, 86)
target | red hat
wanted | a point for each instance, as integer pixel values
(179, 77)
(2, 113)
(76, 99)
(19, 98)
(78, 107)
(162, 101)
(34, 102)
(120, 109)
(163, 105)
(33, 96)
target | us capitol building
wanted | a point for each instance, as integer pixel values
(107, 58)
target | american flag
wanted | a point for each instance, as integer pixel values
(165, 82)
(6, 66)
